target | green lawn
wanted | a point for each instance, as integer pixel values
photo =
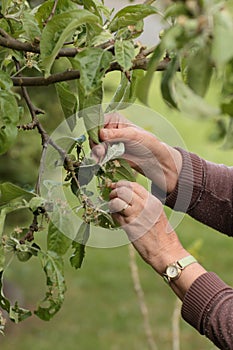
(101, 310)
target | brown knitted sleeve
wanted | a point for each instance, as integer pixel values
(208, 307)
(204, 191)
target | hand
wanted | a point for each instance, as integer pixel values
(145, 153)
(142, 217)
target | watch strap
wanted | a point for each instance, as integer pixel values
(188, 260)
(181, 264)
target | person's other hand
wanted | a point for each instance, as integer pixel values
(145, 153)
(142, 217)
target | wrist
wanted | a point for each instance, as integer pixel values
(167, 257)
(170, 165)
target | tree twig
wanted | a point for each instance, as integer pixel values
(43, 133)
(8, 41)
(41, 81)
(52, 12)
(32, 228)
(141, 63)
(141, 298)
(176, 325)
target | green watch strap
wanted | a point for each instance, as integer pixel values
(186, 261)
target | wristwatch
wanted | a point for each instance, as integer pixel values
(173, 271)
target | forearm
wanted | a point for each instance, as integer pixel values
(204, 191)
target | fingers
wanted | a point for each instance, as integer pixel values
(122, 134)
(117, 205)
(123, 197)
(134, 208)
(126, 188)
(123, 192)
(115, 121)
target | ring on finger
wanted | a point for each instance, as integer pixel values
(126, 206)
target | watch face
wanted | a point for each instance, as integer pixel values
(172, 271)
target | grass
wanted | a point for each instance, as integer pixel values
(101, 311)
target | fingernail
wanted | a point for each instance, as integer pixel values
(104, 133)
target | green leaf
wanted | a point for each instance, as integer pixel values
(167, 82)
(176, 10)
(115, 150)
(9, 192)
(136, 80)
(8, 135)
(130, 15)
(35, 203)
(77, 258)
(79, 245)
(199, 70)
(5, 81)
(98, 8)
(123, 171)
(113, 170)
(56, 240)
(53, 267)
(16, 313)
(58, 30)
(101, 38)
(124, 53)
(190, 103)
(5, 5)
(69, 102)
(118, 97)
(118, 169)
(92, 64)
(46, 8)
(10, 207)
(222, 48)
(9, 109)
(91, 111)
(91, 6)
(126, 92)
(30, 26)
(106, 221)
(9, 117)
(84, 174)
(144, 86)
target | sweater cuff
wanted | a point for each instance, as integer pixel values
(189, 186)
(198, 299)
